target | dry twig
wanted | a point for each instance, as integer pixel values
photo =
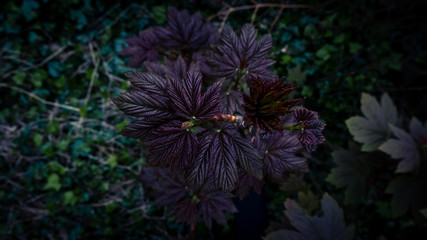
(225, 13)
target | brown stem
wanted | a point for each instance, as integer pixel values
(225, 13)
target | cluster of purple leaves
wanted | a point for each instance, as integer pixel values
(203, 205)
(218, 138)
(184, 35)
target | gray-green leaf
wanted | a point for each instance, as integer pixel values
(372, 130)
(403, 148)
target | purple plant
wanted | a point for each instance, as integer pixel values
(198, 118)
(184, 35)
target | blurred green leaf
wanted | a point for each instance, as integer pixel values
(112, 161)
(19, 78)
(69, 198)
(56, 167)
(38, 139)
(295, 75)
(159, 14)
(52, 182)
(355, 47)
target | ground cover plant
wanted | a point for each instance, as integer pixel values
(162, 120)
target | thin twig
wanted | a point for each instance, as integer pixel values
(95, 61)
(227, 12)
(30, 94)
(46, 60)
(276, 19)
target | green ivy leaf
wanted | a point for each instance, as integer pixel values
(373, 129)
(69, 198)
(323, 53)
(159, 14)
(54, 69)
(112, 161)
(19, 78)
(37, 77)
(52, 182)
(287, 59)
(354, 47)
(63, 145)
(52, 127)
(295, 75)
(405, 148)
(56, 167)
(38, 139)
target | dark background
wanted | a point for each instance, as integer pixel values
(67, 174)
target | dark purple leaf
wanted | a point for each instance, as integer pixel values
(231, 103)
(171, 146)
(187, 97)
(243, 55)
(220, 151)
(280, 155)
(148, 82)
(310, 134)
(140, 104)
(213, 206)
(246, 183)
(142, 48)
(138, 129)
(185, 32)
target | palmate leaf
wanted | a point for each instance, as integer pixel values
(231, 103)
(405, 148)
(213, 206)
(280, 156)
(352, 173)
(408, 193)
(171, 146)
(372, 130)
(330, 226)
(138, 129)
(189, 207)
(418, 131)
(185, 31)
(148, 82)
(246, 183)
(267, 103)
(140, 104)
(187, 98)
(221, 151)
(142, 48)
(244, 53)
